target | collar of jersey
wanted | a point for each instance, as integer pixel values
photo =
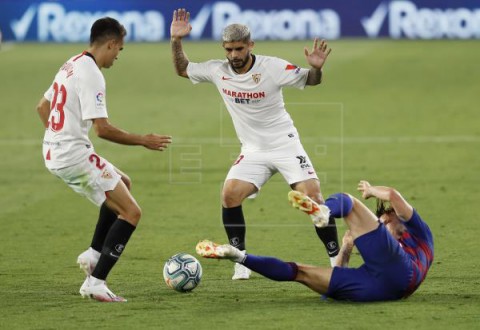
(89, 55)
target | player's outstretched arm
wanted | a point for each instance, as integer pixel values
(106, 131)
(402, 208)
(43, 109)
(180, 28)
(316, 59)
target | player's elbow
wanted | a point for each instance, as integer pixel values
(181, 73)
(314, 77)
(43, 110)
(39, 108)
(401, 206)
(102, 133)
(394, 195)
(313, 81)
(180, 67)
(102, 130)
(43, 106)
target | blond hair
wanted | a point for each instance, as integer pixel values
(236, 32)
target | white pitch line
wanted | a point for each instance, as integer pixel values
(319, 140)
(348, 140)
(397, 139)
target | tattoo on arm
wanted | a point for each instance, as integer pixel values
(314, 77)
(180, 60)
(344, 257)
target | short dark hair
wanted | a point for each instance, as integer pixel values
(106, 28)
(383, 208)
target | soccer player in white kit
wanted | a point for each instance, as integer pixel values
(251, 87)
(70, 107)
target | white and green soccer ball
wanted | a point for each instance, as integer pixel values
(182, 272)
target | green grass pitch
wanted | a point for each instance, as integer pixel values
(401, 113)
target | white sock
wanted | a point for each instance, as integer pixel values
(240, 256)
(93, 281)
(333, 261)
(94, 252)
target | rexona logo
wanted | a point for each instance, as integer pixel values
(54, 23)
(406, 20)
(283, 24)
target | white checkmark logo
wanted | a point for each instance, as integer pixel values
(200, 21)
(373, 24)
(20, 27)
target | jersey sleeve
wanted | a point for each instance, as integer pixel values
(49, 93)
(418, 227)
(201, 72)
(287, 74)
(91, 92)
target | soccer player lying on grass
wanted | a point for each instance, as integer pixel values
(396, 246)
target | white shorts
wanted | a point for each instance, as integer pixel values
(257, 167)
(91, 178)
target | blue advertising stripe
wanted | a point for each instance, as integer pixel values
(147, 20)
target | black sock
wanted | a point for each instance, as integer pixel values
(115, 242)
(106, 218)
(329, 237)
(234, 224)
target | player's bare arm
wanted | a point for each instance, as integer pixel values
(43, 109)
(107, 131)
(346, 250)
(402, 208)
(180, 28)
(316, 58)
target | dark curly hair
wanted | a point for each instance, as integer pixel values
(383, 208)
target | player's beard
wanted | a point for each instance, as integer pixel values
(239, 63)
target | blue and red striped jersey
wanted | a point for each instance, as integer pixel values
(417, 242)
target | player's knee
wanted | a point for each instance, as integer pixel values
(313, 278)
(302, 274)
(349, 197)
(355, 201)
(340, 205)
(230, 198)
(357, 206)
(134, 214)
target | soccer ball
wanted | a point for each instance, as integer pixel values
(182, 272)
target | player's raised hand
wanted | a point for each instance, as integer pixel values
(364, 188)
(180, 26)
(156, 142)
(317, 57)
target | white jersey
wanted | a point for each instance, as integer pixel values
(254, 99)
(77, 95)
